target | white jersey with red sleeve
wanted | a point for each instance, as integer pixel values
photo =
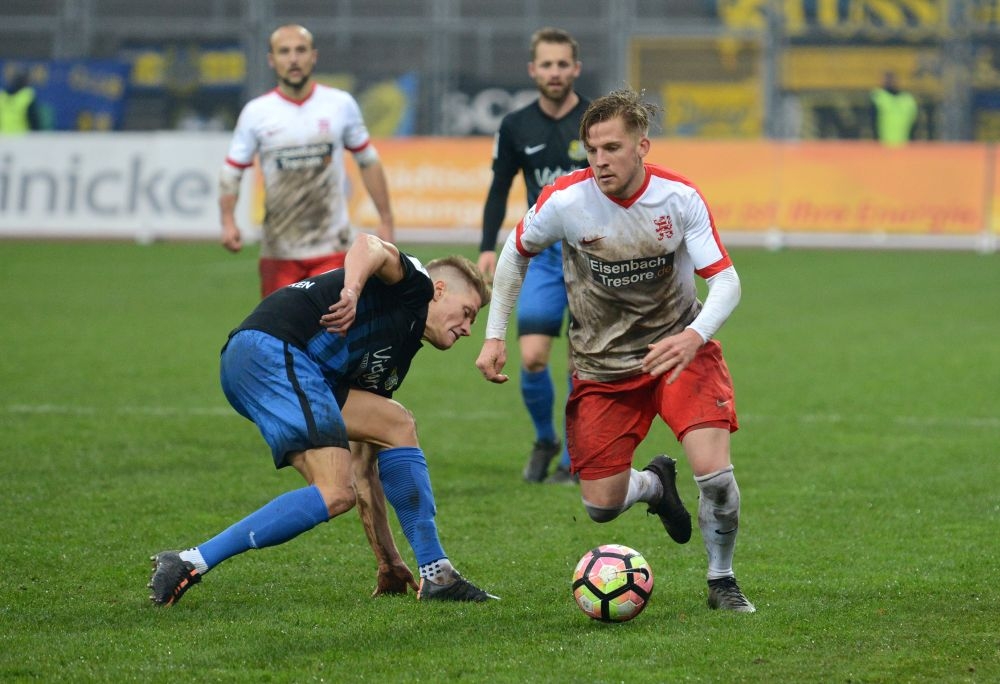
(301, 146)
(629, 264)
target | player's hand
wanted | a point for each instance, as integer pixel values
(672, 353)
(492, 359)
(487, 264)
(231, 238)
(341, 315)
(394, 579)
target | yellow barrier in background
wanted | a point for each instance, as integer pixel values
(838, 187)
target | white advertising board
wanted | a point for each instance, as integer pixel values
(142, 186)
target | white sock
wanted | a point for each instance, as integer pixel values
(194, 556)
(643, 485)
(438, 572)
(719, 519)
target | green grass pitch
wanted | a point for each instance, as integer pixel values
(868, 387)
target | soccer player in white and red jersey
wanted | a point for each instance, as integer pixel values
(634, 236)
(300, 129)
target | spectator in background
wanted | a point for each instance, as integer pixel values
(895, 112)
(300, 130)
(19, 111)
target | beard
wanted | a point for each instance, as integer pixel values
(557, 93)
(296, 82)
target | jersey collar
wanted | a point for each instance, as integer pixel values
(292, 99)
(629, 201)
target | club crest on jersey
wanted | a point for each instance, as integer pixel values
(664, 227)
(391, 382)
(324, 126)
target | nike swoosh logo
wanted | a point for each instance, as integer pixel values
(532, 149)
(590, 241)
(720, 403)
(726, 532)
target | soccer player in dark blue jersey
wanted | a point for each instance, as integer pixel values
(314, 366)
(542, 142)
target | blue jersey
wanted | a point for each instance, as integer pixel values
(376, 353)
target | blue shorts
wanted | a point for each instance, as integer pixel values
(283, 392)
(542, 304)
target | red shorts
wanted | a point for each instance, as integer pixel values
(277, 273)
(606, 421)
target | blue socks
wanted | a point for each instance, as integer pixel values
(282, 519)
(407, 485)
(539, 396)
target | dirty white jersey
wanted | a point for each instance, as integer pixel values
(301, 146)
(629, 264)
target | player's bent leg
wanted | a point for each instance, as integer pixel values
(405, 481)
(331, 471)
(407, 485)
(719, 521)
(718, 514)
(377, 420)
(329, 474)
(605, 498)
(281, 520)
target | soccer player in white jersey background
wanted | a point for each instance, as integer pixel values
(634, 235)
(300, 129)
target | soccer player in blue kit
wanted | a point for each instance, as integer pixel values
(314, 366)
(541, 141)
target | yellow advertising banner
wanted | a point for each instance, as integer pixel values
(917, 69)
(836, 187)
(993, 198)
(712, 110)
(435, 183)
(737, 179)
(864, 187)
(848, 187)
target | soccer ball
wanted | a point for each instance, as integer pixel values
(612, 583)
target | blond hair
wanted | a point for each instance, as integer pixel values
(623, 103)
(456, 266)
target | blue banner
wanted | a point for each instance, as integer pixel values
(74, 94)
